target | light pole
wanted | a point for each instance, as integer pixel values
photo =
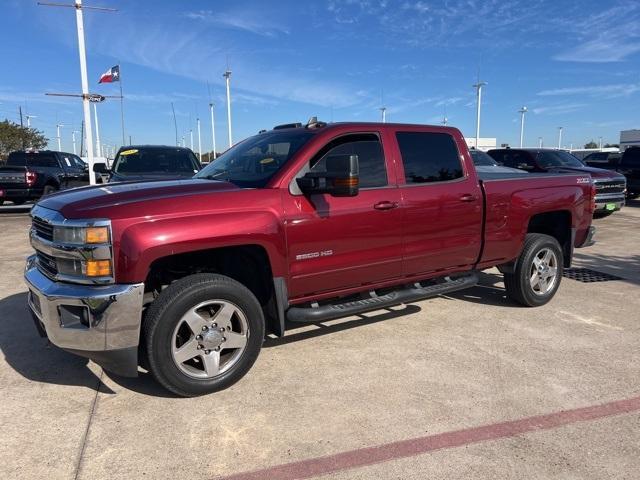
(539, 142)
(58, 127)
(600, 143)
(95, 117)
(227, 77)
(478, 86)
(73, 139)
(445, 121)
(29, 117)
(191, 135)
(199, 140)
(183, 144)
(559, 138)
(85, 90)
(522, 111)
(383, 110)
(213, 131)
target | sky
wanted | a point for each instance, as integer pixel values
(574, 64)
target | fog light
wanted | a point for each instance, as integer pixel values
(97, 268)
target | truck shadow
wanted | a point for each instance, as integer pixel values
(34, 357)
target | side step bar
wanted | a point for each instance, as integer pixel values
(396, 297)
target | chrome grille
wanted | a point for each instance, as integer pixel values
(47, 264)
(610, 186)
(42, 228)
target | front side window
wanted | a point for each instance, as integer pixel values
(429, 157)
(371, 163)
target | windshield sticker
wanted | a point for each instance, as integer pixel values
(129, 152)
(264, 161)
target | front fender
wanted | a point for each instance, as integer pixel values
(142, 243)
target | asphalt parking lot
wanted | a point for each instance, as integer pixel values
(462, 386)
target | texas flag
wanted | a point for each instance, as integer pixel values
(111, 75)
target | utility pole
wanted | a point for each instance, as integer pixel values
(73, 140)
(383, 110)
(522, 111)
(213, 131)
(199, 140)
(227, 77)
(559, 138)
(478, 86)
(95, 117)
(58, 127)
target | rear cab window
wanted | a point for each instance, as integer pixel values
(156, 160)
(28, 159)
(429, 157)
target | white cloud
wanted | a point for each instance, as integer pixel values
(558, 109)
(244, 21)
(608, 91)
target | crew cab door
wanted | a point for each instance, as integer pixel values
(75, 170)
(441, 202)
(337, 243)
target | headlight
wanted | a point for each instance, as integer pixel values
(81, 235)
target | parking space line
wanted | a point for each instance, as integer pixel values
(416, 446)
(85, 437)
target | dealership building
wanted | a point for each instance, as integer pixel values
(629, 138)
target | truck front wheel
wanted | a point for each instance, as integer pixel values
(537, 272)
(202, 334)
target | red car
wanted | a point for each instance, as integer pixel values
(301, 224)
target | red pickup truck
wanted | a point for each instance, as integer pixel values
(297, 224)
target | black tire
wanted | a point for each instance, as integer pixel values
(518, 283)
(165, 313)
(48, 190)
(602, 213)
(633, 196)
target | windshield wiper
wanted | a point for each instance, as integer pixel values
(215, 175)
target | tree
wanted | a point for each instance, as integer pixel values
(591, 144)
(14, 137)
(611, 145)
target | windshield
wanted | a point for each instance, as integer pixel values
(252, 162)
(482, 159)
(138, 161)
(557, 158)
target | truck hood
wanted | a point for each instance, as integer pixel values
(105, 200)
(594, 172)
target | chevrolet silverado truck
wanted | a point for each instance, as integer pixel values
(304, 224)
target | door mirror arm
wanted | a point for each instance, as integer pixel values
(341, 178)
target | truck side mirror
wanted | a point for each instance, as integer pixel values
(100, 168)
(340, 179)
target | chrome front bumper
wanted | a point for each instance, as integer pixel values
(89, 320)
(604, 199)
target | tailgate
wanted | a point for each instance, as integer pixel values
(11, 177)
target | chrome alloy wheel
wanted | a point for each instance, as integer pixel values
(209, 339)
(544, 272)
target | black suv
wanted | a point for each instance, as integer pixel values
(151, 162)
(28, 175)
(610, 186)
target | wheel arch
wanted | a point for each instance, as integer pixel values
(557, 224)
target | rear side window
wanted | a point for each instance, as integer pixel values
(21, 159)
(429, 157)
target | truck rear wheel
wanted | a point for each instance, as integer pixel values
(202, 334)
(537, 272)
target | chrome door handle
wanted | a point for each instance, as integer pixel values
(385, 205)
(468, 198)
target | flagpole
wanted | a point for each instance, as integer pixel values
(121, 102)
